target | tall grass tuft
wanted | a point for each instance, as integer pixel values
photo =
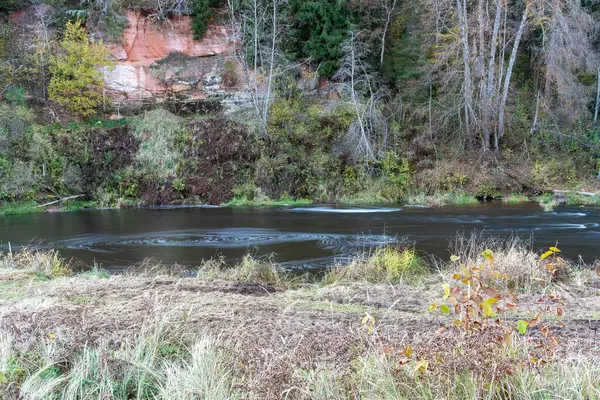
(250, 269)
(203, 375)
(514, 257)
(153, 366)
(45, 263)
(383, 265)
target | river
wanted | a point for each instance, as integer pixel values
(301, 237)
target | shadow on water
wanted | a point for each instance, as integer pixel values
(302, 237)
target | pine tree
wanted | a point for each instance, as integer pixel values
(201, 15)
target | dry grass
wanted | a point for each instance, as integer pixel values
(150, 268)
(157, 337)
(514, 257)
(265, 271)
(157, 364)
(47, 264)
(376, 375)
(166, 364)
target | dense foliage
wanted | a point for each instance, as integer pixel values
(345, 100)
(76, 71)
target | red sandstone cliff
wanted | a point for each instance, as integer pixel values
(137, 74)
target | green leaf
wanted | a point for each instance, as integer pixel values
(432, 307)
(445, 309)
(522, 326)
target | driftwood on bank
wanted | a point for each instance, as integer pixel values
(565, 192)
(59, 200)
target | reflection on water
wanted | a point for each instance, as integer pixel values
(300, 236)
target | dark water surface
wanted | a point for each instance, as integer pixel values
(300, 236)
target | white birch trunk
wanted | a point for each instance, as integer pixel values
(509, 69)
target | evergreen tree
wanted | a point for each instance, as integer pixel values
(201, 15)
(318, 29)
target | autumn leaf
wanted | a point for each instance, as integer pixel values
(488, 255)
(421, 367)
(446, 290)
(491, 292)
(522, 326)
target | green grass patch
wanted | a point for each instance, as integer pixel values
(514, 198)
(12, 290)
(244, 201)
(575, 199)
(383, 265)
(440, 199)
(27, 207)
(32, 207)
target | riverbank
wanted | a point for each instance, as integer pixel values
(256, 332)
(547, 201)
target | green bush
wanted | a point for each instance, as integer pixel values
(115, 26)
(201, 14)
(161, 135)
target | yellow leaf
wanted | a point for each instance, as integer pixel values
(488, 255)
(432, 307)
(446, 290)
(454, 258)
(421, 367)
(487, 307)
(547, 254)
(554, 249)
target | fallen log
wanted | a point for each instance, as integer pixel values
(59, 200)
(556, 191)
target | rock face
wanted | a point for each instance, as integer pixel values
(155, 59)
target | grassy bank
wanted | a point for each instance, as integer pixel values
(255, 331)
(32, 207)
(439, 199)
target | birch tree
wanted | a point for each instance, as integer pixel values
(367, 135)
(389, 6)
(482, 33)
(258, 33)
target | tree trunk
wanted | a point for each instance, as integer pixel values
(468, 90)
(597, 101)
(389, 13)
(509, 69)
(267, 100)
(485, 115)
(491, 88)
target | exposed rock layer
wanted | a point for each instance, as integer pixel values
(145, 42)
